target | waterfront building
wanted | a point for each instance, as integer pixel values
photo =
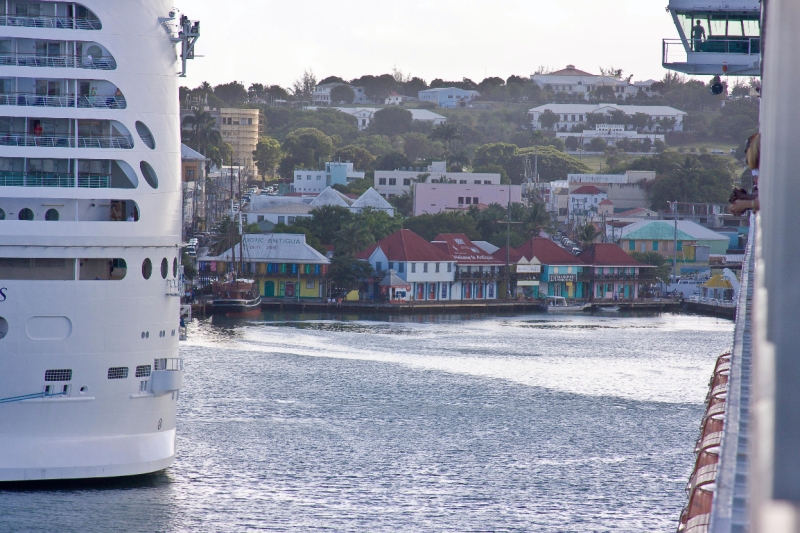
(661, 118)
(427, 269)
(193, 173)
(283, 265)
(612, 273)
(560, 270)
(90, 218)
(287, 209)
(578, 82)
(523, 274)
(448, 97)
(316, 181)
(432, 198)
(687, 231)
(477, 272)
(239, 127)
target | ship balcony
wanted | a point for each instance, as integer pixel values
(119, 142)
(55, 54)
(167, 376)
(741, 56)
(70, 100)
(66, 173)
(50, 15)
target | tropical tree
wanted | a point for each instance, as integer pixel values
(303, 88)
(391, 121)
(548, 119)
(305, 147)
(662, 270)
(200, 131)
(342, 94)
(587, 234)
(446, 133)
(392, 161)
(267, 156)
(361, 158)
(347, 273)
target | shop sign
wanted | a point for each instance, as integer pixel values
(529, 269)
(558, 278)
(527, 283)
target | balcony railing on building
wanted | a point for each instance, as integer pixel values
(69, 100)
(616, 276)
(58, 61)
(34, 179)
(62, 23)
(119, 142)
(486, 274)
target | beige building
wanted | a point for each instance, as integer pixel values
(239, 128)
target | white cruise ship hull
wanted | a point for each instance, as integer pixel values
(90, 372)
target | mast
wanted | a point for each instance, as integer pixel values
(233, 240)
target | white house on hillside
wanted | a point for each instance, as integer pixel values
(573, 81)
(570, 115)
(322, 94)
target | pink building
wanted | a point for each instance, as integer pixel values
(434, 198)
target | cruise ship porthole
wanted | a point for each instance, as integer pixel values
(175, 267)
(2, 215)
(147, 268)
(51, 215)
(3, 327)
(149, 174)
(164, 268)
(146, 135)
(26, 214)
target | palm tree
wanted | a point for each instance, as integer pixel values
(586, 235)
(201, 130)
(446, 133)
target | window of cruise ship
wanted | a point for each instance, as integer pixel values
(146, 135)
(3, 328)
(147, 269)
(25, 214)
(2, 215)
(149, 174)
(164, 268)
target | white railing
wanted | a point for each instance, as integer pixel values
(173, 364)
(64, 23)
(57, 61)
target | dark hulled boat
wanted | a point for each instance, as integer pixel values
(238, 297)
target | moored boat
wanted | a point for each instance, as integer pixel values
(237, 297)
(558, 304)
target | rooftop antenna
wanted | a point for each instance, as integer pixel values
(188, 33)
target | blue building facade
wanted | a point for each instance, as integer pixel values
(450, 97)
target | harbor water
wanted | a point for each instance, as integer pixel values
(572, 423)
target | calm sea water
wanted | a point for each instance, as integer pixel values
(307, 423)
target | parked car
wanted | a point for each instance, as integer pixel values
(717, 151)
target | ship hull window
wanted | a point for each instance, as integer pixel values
(149, 174)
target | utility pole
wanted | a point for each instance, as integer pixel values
(508, 223)
(675, 245)
(231, 231)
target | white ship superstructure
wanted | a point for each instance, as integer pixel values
(90, 231)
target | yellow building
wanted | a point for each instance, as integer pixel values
(239, 128)
(282, 264)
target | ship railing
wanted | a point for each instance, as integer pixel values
(119, 142)
(168, 363)
(102, 102)
(63, 23)
(13, 179)
(37, 100)
(58, 61)
(174, 287)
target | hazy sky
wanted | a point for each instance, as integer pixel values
(273, 42)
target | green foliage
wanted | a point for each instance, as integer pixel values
(199, 131)
(361, 158)
(597, 145)
(587, 234)
(403, 204)
(267, 155)
(377, 145)
(418, 146)
(572, 144)
(347, 273)
(662, 270)
(494, 169)
(342, 94)
(552, 164)
(189, 270)
(392, 161)
(391, 121)
(331, 122)
(232, 93)
(429, 226)
(499, 154)
(305, 148)
(446, 133)
(548, 119)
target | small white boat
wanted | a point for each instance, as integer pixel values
(558, 304)
(614, 309)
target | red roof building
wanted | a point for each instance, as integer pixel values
(428, 270)
(613, 273)
(548, 252)
(587, 189)
(477, 271)
(560, 270)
